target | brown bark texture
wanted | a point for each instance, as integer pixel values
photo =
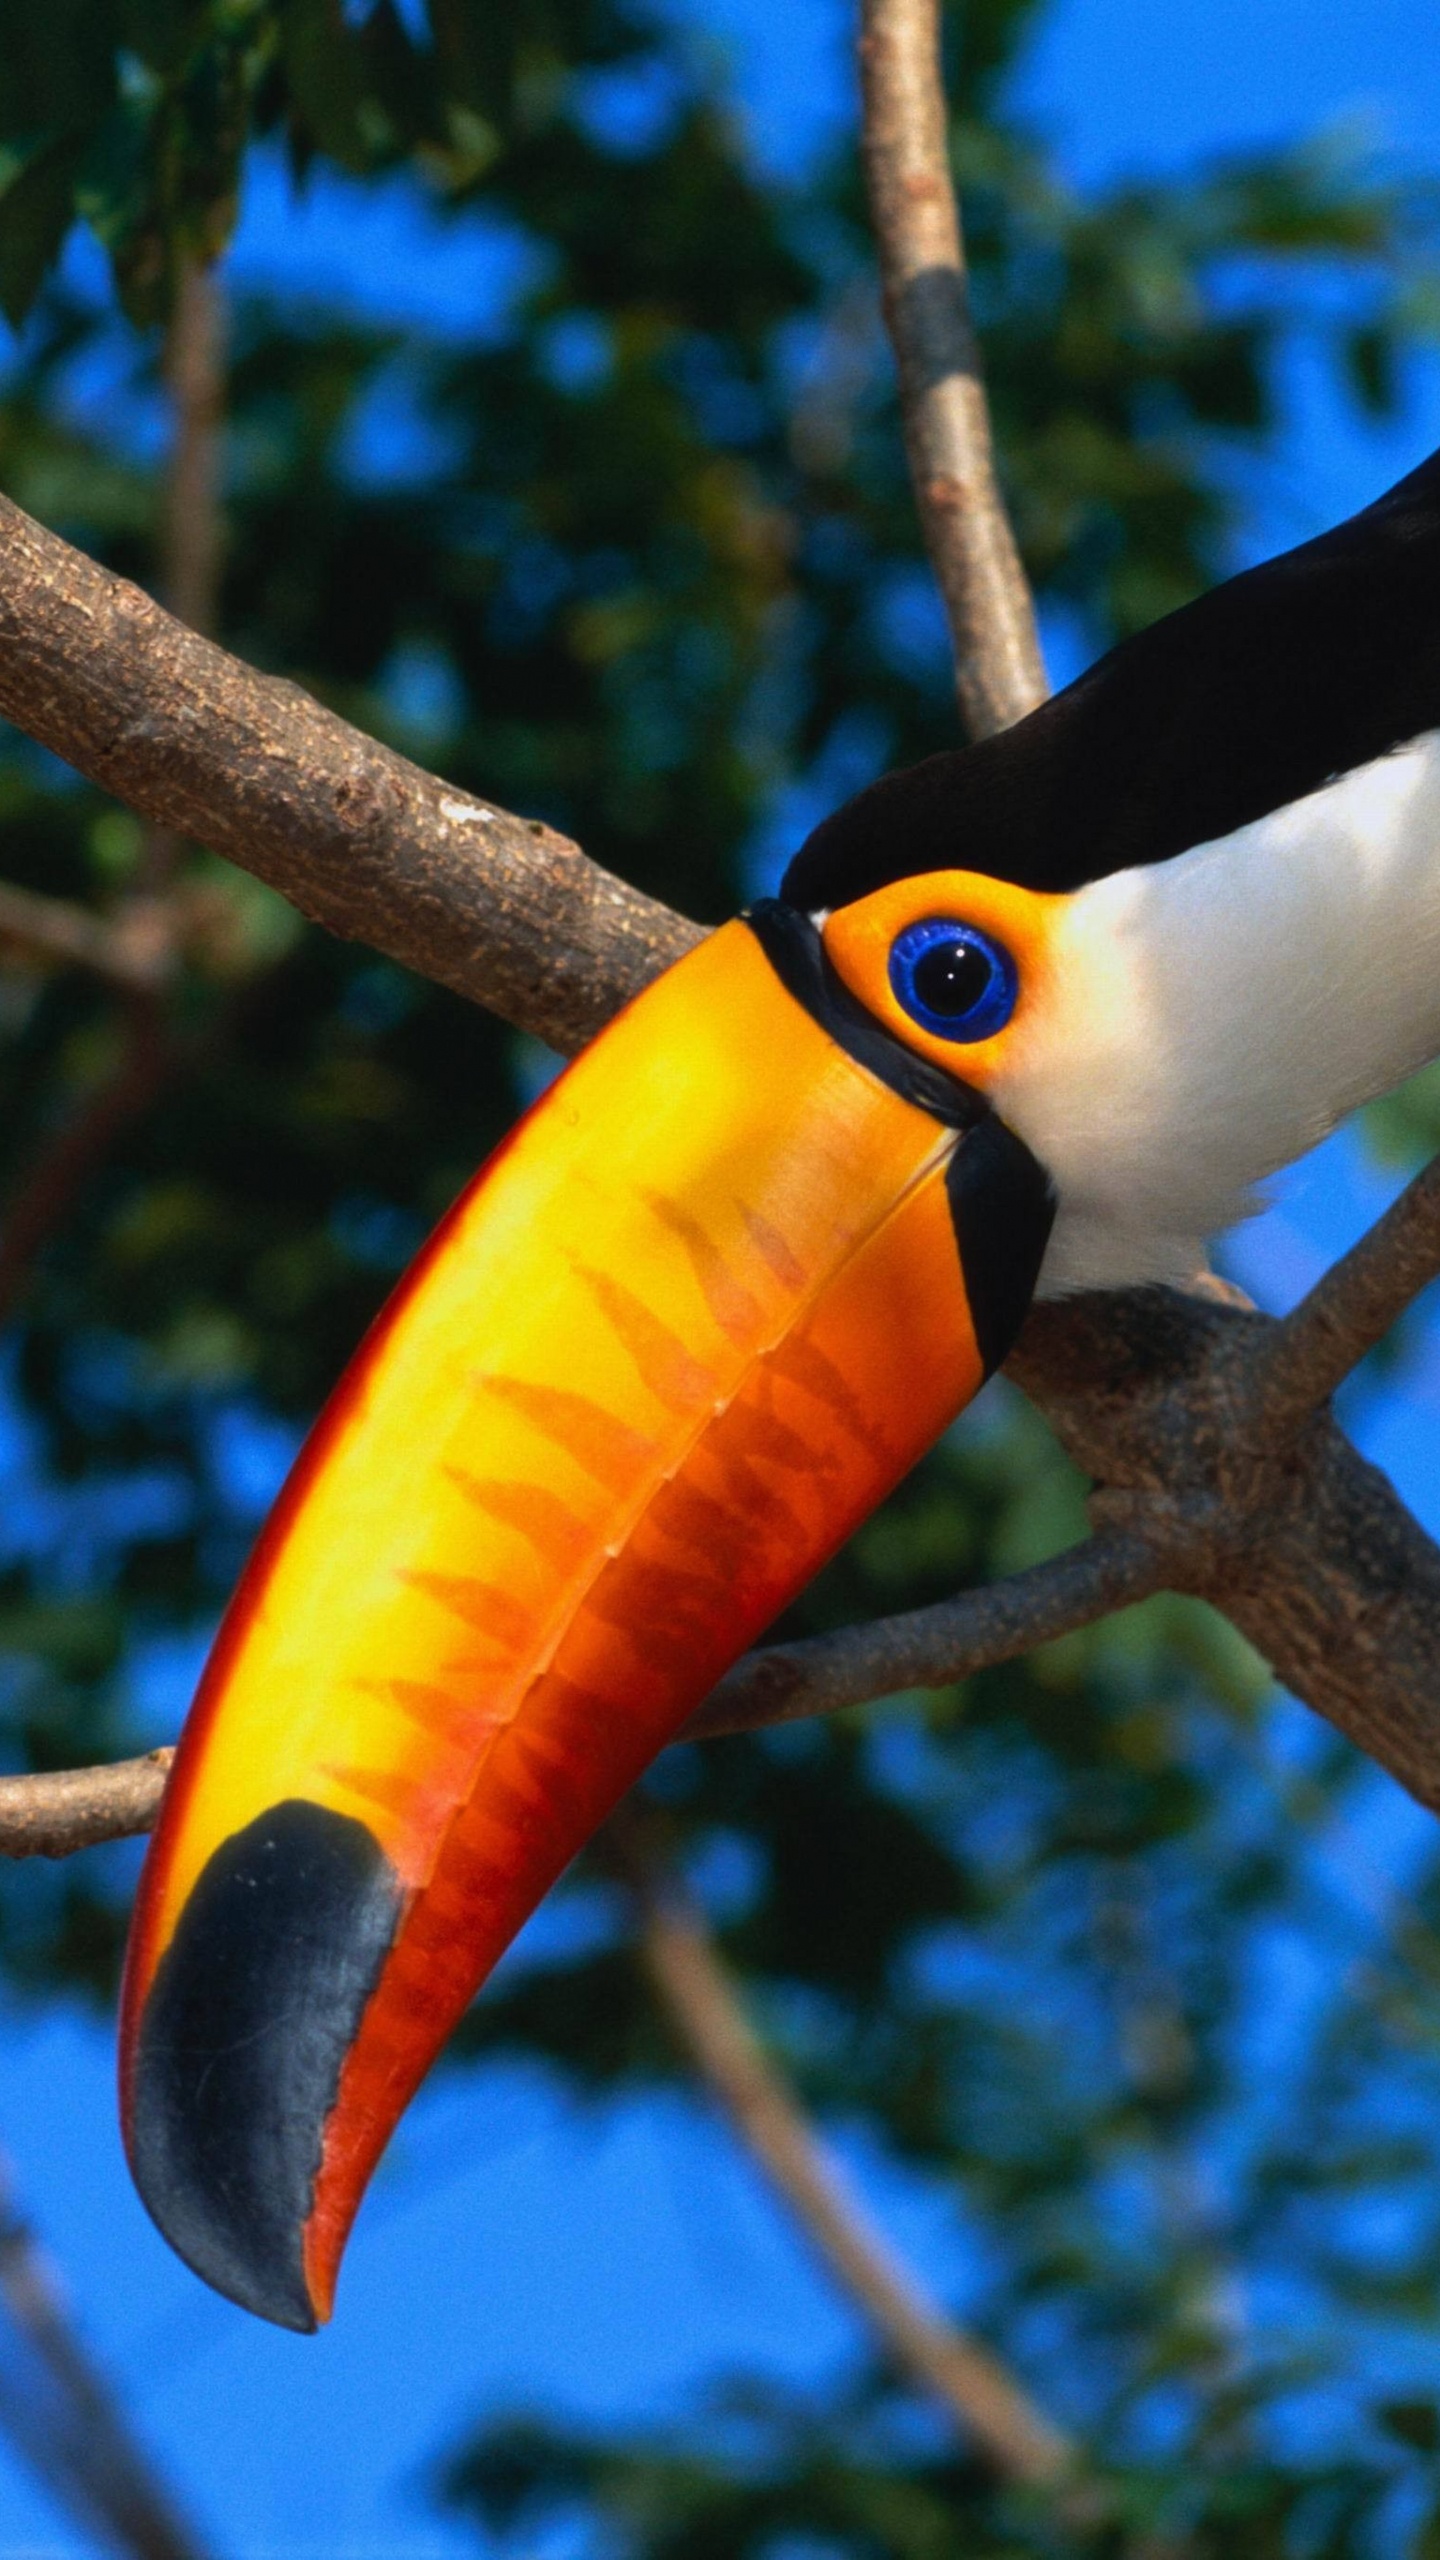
(498, 907)
(999, 673)
(696, 1994)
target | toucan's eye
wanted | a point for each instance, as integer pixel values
(953, 979)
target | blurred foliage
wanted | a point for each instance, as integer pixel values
(1088, 1951)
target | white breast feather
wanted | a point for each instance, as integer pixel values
(1212, 1017)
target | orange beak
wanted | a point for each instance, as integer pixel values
(684, 1331)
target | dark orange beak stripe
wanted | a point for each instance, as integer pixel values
(675, 1342)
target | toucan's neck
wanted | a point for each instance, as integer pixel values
(1215, 1015)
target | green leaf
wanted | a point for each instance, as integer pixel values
(36, 211)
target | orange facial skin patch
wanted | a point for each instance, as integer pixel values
(858, 940)
(675, 1342)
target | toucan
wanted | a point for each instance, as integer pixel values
(1035, 1014)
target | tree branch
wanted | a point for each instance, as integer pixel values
(705, 2012)
(498, 907)
(1354, 1306)
(137, 961)
(55, 1812)
(1160, 1398)
(933, 1648)
(999, 671)
(190, 540)
(195, 377)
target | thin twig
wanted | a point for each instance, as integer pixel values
(49, 1815)
(61, 2414)
(195, 375)
(705, 2011)
(59, 930)
(933, 1648)
(190, 543)
(56, 1811)
(1315, 1347)
(136, 948)
(49, 1191)
(999, 672)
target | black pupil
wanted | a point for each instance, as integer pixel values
(950, 978)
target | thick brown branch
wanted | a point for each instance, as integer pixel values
(1161, 1399)
(933, 1648)
(1354, 1306)
(706, 2014)
(498, 907)
(999, 671)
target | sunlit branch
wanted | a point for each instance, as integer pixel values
(57, 1811)
(999, 672)
(496, 906)
(706, 2014)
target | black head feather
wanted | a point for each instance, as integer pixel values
(1259, 692)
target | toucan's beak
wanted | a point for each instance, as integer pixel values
(677, 1339)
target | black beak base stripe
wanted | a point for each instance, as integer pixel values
(1001, 1198)
(1002, 1202)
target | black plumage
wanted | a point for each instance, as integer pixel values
(1258, 693)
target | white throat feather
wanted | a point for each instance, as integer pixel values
(1212, 1016)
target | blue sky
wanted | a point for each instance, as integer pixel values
(517, 2249)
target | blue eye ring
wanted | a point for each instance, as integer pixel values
(955, 981)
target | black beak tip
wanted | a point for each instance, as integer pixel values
(244, 2034)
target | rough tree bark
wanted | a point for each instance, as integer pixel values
(497, 907)
(999, 672)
